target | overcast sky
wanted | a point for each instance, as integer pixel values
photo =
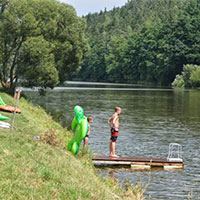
(84, 7)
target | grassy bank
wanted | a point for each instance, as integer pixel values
(44, 169)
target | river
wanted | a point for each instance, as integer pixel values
(151, 119)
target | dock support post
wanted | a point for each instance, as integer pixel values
(16, 98)
(140, 166)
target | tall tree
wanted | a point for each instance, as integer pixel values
(29, 28)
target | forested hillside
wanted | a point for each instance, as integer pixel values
(143, 41)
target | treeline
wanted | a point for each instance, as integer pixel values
(41, 42)
(143, 41)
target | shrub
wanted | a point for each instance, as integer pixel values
(195, 78)
(190, 77)
(178, 81)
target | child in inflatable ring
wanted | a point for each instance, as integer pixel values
(90, 120)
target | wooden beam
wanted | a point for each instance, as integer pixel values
(137, 163)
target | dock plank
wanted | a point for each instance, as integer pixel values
(136, 162)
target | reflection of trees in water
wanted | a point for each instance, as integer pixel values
(147, 107)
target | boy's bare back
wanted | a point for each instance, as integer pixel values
(114, 120)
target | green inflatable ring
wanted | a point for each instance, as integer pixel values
(80, 128)
(3, 117)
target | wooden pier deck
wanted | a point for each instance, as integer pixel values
(138, 163)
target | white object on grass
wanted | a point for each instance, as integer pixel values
(4, 124)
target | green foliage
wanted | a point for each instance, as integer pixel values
(38, 65)
(178, 81)
(46, 20)
(143, 41)
(195, 78)
(3, 5)
(113, 59)
(190, 77)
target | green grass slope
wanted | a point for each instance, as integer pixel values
(44, 169)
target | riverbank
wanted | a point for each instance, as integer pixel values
(43, 168)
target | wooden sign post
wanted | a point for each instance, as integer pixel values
(16, 99)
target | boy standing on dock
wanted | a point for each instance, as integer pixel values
(114, 126)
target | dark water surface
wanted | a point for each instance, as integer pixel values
(151, 118)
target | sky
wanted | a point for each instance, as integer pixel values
(84, 7)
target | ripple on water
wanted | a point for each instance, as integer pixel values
(150, 120)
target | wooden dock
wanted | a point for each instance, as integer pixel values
(138, 163)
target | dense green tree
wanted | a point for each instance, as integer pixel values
(38, 66)
(16, 25)
(53, 29)
(115, 59)
(143, 41)
(3, 5)
(94, 67)
(195, 78)
(189, 77)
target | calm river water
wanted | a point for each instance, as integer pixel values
(151, 118)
